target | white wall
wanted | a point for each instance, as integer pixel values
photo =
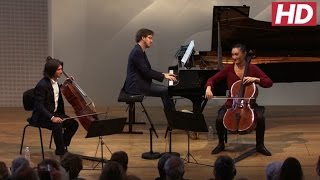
(94, 38)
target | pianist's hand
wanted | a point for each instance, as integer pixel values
(209, 94)
(170, 76)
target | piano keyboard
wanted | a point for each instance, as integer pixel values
(173, 83)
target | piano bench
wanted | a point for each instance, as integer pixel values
(131, 101)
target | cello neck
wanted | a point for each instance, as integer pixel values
(248, 60)
(79, 88)
(76, 84)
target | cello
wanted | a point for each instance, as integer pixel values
(240, 117)
(85, 112)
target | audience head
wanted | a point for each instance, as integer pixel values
(318, 166)
(174, 168)
(161, 163)
(4, 173)
(291, 169)
(48, 168)
(273, 170)
(72, 163)
(121, 157)
(17, 163)
(132, 177)
(25, 173)
(224, 168)
(112, 170)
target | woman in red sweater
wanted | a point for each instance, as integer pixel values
(232, 73)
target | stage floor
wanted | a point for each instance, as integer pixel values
(290, 131)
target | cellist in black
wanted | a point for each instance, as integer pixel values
(48, 109)
(232, 73)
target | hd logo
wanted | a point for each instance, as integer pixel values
(294, 13)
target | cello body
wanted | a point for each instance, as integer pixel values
(80, 106)
(240, 117)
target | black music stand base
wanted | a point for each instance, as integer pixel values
(101, 128)
(100, 159)
(151, 154)
(169, 130)
(188, 122)
(187, 158)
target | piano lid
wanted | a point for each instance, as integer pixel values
(260, 36)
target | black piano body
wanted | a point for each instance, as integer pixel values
(285, 54)
(191, 85)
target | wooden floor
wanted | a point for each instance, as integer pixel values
(291, 131)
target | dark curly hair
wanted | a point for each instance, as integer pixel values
(72, 163)
(224, 168)
(51, 66)
(143, 33)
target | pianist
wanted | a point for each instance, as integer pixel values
(140, 74)
(233, 73)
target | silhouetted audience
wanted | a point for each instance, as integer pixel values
(72, 163)
(273, 170)
(174, 168)
(224, 168)
(161, 162)
(4, 172)
(25, 173)
(112, 171)
(121, 157)
(19, 162)
(291, 169)
(318, 166)
(51, 169)
(132, 177)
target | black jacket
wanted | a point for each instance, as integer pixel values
(139, 72)
(43, 107)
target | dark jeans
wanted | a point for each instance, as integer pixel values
(259, 117)
(62, 132)
(158, 90)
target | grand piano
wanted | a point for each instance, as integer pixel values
(285, 54)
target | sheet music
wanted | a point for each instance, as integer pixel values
(188, 52)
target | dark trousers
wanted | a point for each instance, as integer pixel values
(62, 132)
(259, 117)
(158, 90)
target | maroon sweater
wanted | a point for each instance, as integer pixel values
(228, 73)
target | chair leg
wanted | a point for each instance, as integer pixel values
(22, 141)
(24, 131)
(41, 142)
(132, 116)
(132, 120)
(50, 141)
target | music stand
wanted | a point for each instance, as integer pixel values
(151, 154)
(105, 127)
(188, 122)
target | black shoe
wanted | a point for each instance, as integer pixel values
(263, 150)
(61, 153)
(219, 148)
